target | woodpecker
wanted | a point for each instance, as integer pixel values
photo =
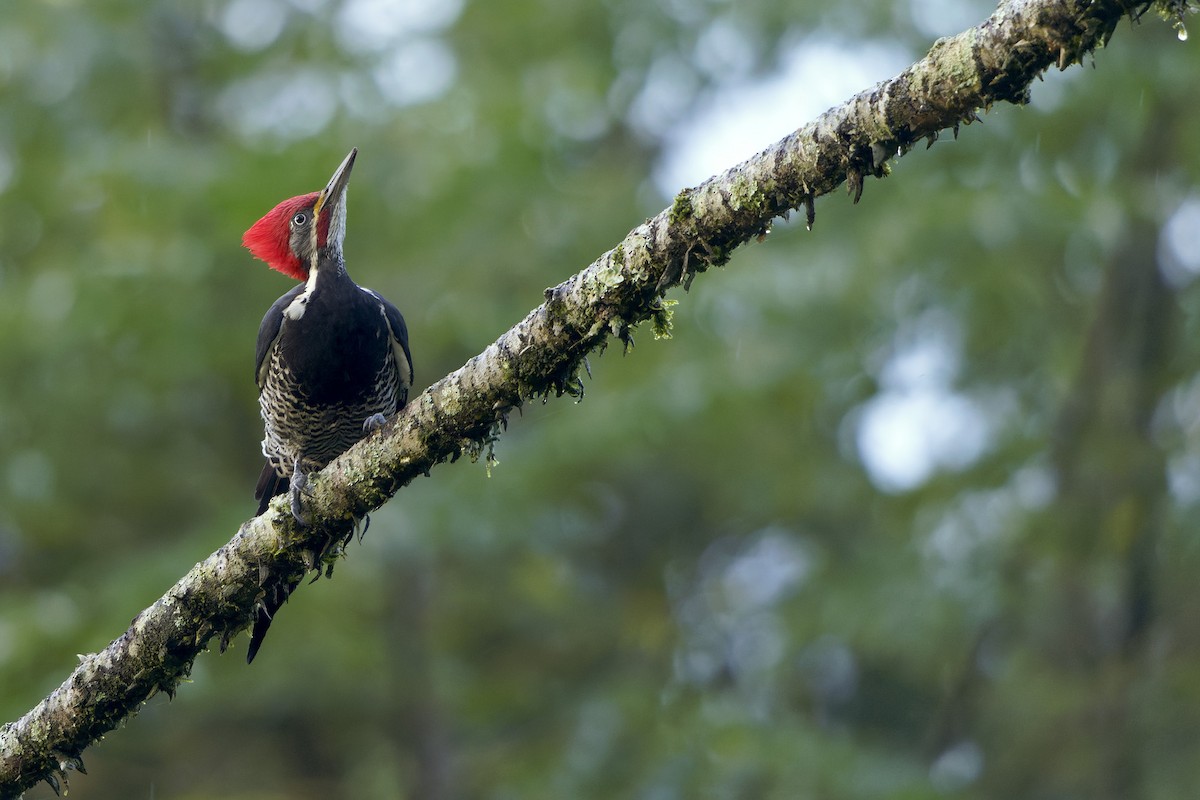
(332, 360)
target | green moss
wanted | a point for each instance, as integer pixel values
(746, 195)
(681, 209)
(660, 318)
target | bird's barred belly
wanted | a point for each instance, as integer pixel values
(296, 429)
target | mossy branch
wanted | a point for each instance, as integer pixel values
(542, 355)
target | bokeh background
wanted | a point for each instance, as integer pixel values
(906, 508)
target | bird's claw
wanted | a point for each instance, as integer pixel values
(374, 423)
(299, 487)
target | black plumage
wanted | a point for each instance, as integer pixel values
(322, 376)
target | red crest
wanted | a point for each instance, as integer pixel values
(269, 239)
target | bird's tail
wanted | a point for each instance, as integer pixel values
(270, 485)
(266, 611)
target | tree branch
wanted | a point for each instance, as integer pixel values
(465, 411)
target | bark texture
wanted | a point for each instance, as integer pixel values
(542, 355)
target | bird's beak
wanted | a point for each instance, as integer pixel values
(330, 209)
(335, 191)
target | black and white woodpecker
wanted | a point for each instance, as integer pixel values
(332, 360)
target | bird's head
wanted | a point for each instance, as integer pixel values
(292, 236)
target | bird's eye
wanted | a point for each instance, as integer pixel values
(300, 219)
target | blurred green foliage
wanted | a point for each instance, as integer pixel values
(703, 581)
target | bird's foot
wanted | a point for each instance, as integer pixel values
(373, 423)
(299, 487)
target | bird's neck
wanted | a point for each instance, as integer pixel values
(327, 273)
(327, 283)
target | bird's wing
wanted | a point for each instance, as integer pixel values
(268, 332)
(399, 332)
